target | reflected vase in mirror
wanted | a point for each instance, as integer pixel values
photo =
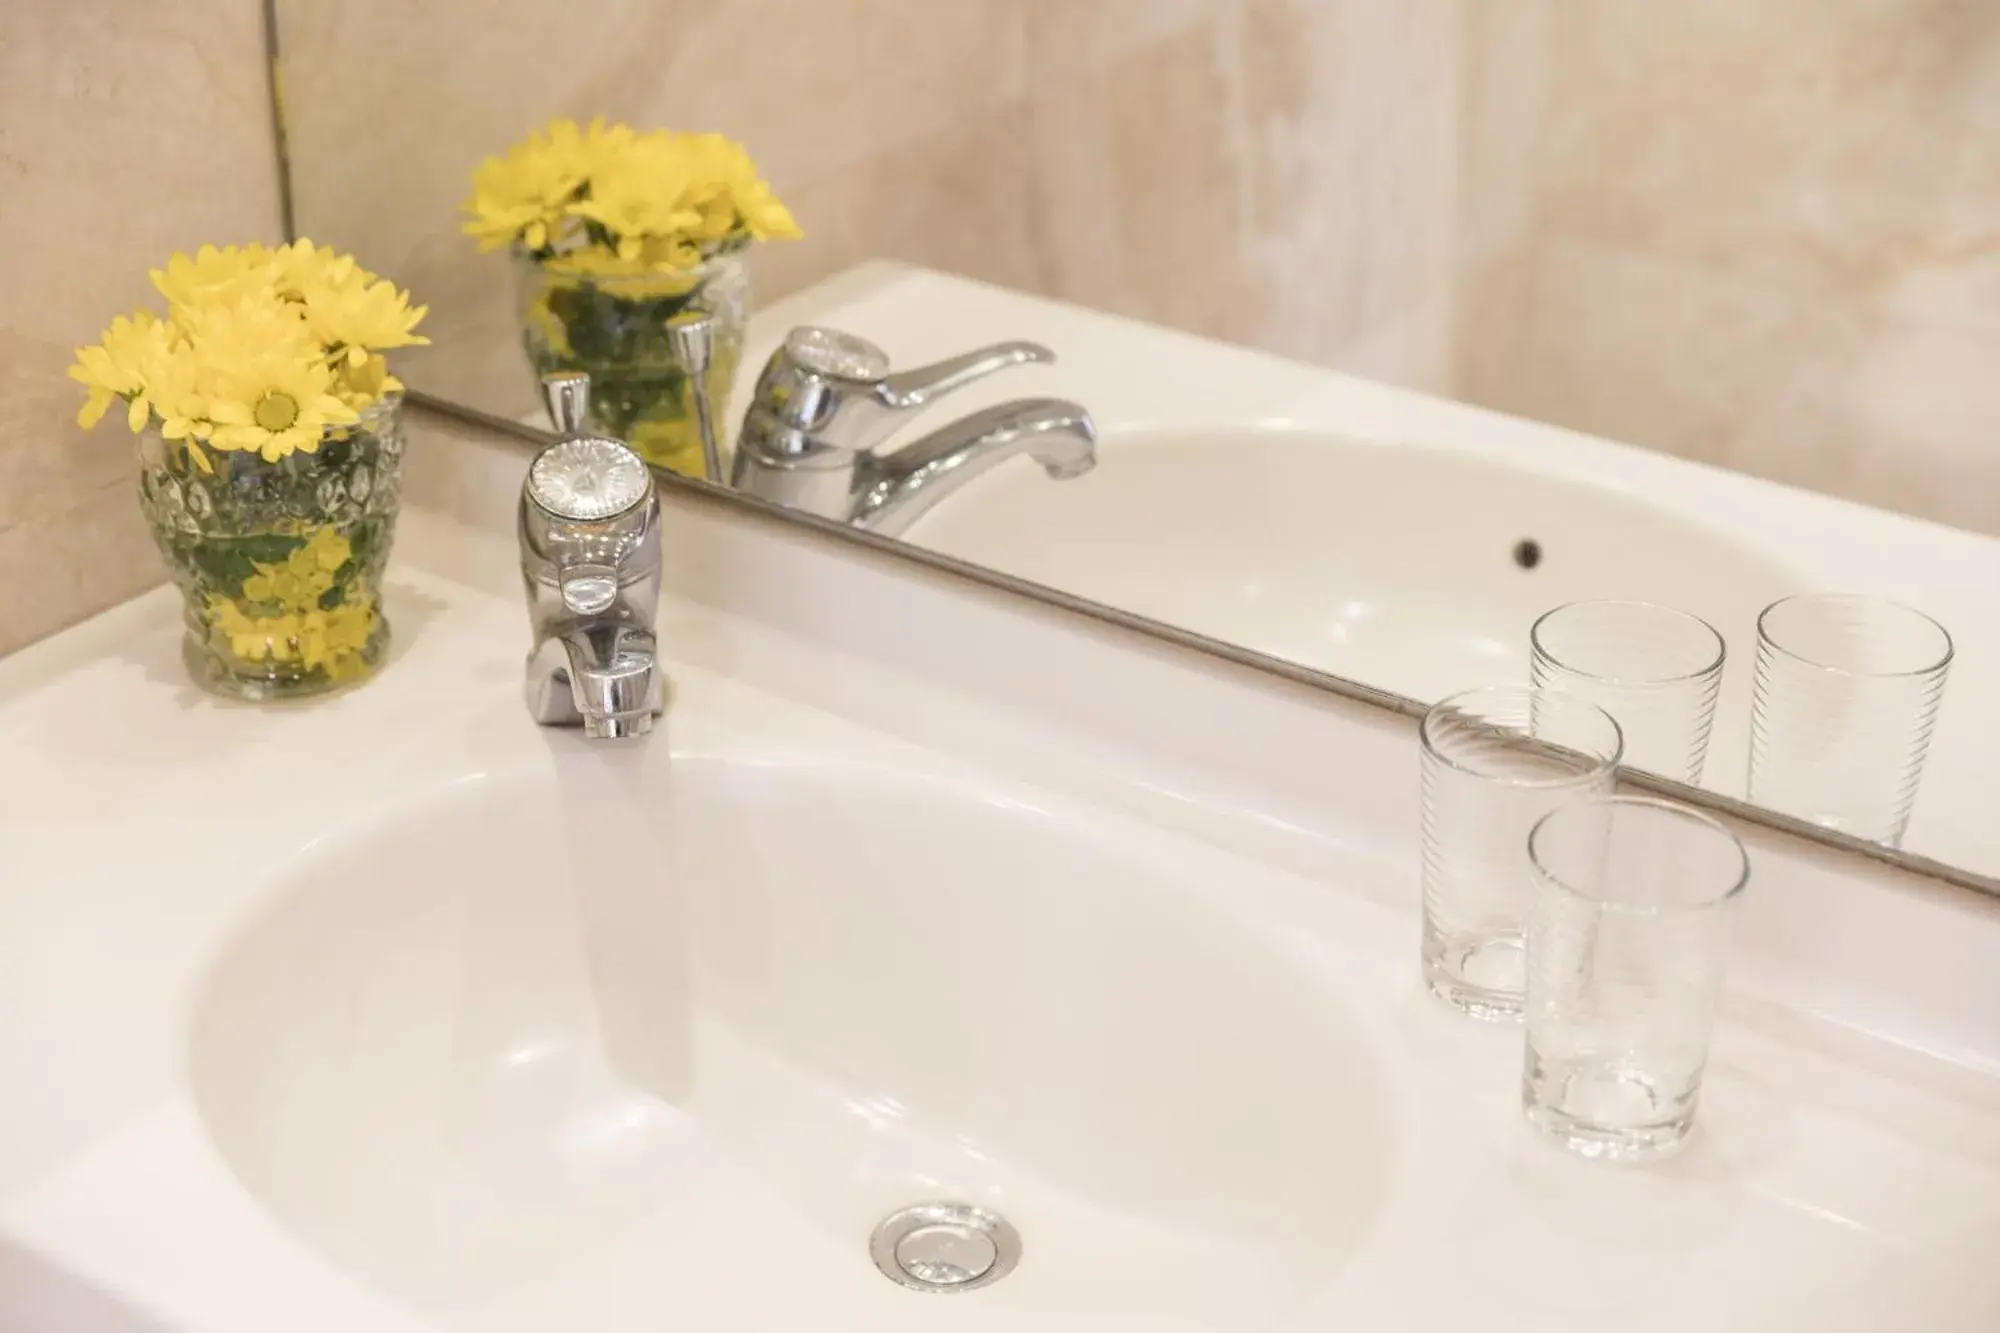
(616, 234)
(614, 327)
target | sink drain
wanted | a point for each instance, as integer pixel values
(945, 1247)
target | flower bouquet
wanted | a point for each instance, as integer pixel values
(270, 450)
(613, 233)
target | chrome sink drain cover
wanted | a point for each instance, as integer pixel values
(945, 1247)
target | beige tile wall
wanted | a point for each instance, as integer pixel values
(1765, 235)
(126, 131)
(1275, 172)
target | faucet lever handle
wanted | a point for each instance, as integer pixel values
(926, 384)
(827, 393)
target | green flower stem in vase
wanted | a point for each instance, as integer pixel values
(279, 562)
(614, 327)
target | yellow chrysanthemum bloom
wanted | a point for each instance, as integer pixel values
(234, 360)
(608, 200)
(730, 195)
(269, 388)
(302, 265)
(639, 196)
(361, 384)
(117, 366)
(174, 388)
(352, 316)
(520, 196)
(215, 276)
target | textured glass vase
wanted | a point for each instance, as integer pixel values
(279, 563)
(614, 328)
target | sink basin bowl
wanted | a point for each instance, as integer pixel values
(1412, 569)
(647, 1042)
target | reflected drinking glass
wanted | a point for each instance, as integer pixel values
(1846, 697)
(1656, 670)
(1493, 762)
(1627, 936)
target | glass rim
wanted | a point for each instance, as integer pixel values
(1713, 666)
(1764, 638)
(1684, 813)
(1529, 694)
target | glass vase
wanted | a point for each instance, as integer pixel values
(279, 563)
(614, 327)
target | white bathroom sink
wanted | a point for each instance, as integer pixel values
(682, 1035)
(394, 1013)
(1414, 569)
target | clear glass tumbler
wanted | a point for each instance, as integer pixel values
(1627, 936)
(1846, 697)
(1493, 762)
(1656, 670)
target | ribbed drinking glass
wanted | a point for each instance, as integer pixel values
(1846, 698)
(1653, 668)
(1493, 762)
(1627, 938)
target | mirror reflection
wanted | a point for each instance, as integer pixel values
(1638, 352)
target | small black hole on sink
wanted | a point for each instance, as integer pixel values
(1527, 553)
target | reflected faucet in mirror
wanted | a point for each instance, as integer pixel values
(826, 400)
(590, 562)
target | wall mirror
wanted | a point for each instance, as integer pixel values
(1417, 339)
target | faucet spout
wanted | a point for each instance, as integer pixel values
(614, 679)
(603, 677)
(893, 490)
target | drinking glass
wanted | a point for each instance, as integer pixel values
(1493, 762)
(1627, 936)
(1656, 670)
(1846, 697)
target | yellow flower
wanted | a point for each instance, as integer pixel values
(732, 197)
(333, 640)
(607, 200)
(118, 366)
(173, 384)
(253, 638)
(330, 639)
(638, 194)
(521, 196)
(306, 575)
(228, 363)
(265, 376)
(302, 265)
(352, 316)
(365, 383)
(215, 276)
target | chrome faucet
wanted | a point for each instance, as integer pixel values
(826, 399)
(590, 560)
